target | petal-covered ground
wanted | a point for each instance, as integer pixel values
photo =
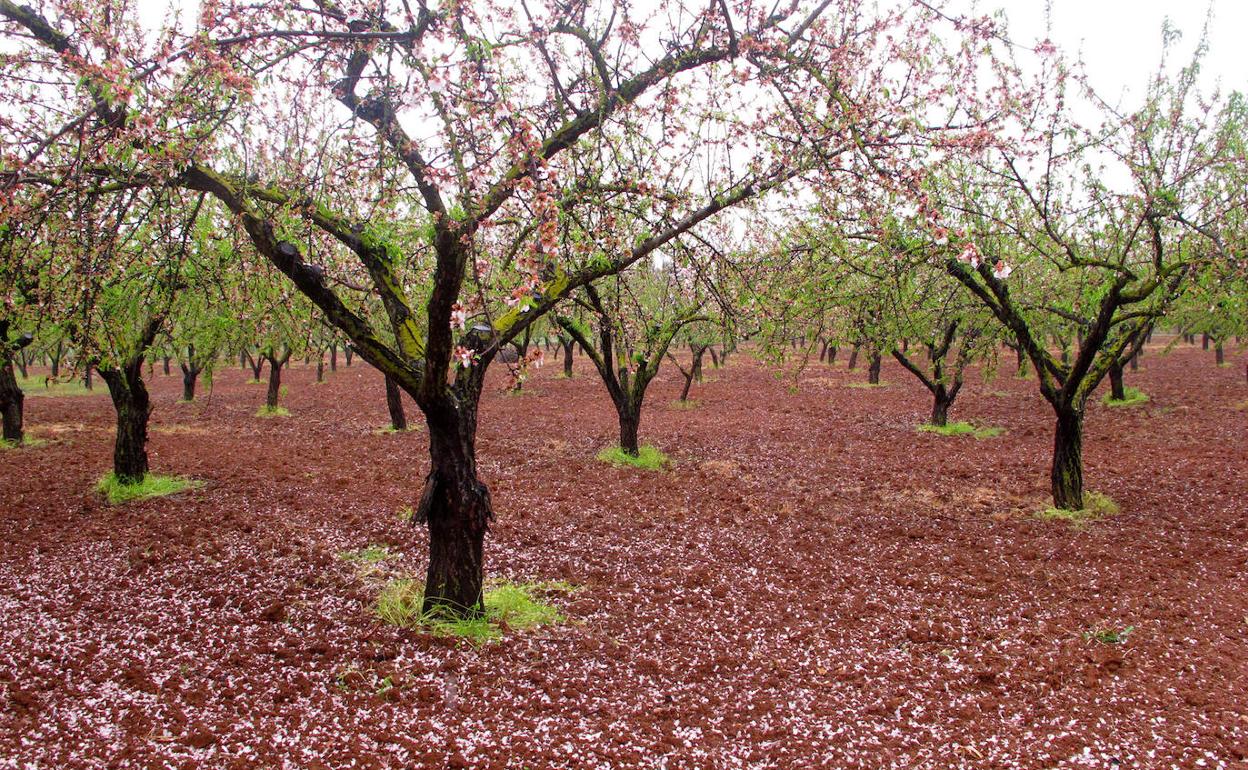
(813, 584)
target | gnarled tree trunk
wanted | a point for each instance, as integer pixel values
(630, 425)
(873, 370)
(1066, 475)
(11, 403)
(455, 505)
(567, 357)
(394, 403)
(1117, 391)
(133, 407)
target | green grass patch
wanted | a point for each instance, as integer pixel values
(648, 458)
(866, 385)
(1134, 397)
(373, 554)
(37, 387)
(1242, 406)
(151, 486)
(253, 382)
(407, 513)
(28, 442)
(508, 606)
(267, 411)
(1108, 635)
(1095, 506)
(961, 429)
(685, 405)
(390, 430)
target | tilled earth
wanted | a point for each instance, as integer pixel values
(813, 584)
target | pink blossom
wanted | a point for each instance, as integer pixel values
(459, 316)
(463, 356)
(970, 253)
(1002, 271)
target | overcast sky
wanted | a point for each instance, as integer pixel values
(1120, 40)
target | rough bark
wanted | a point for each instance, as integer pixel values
(11, 403)
(455, 506)
(1117, 390)
(333, 357)
(276, 363)
(630, 426)
(1219, 354)
(1066, 476)
(853, 359)
(567, 357)
(873, 370)
(133, 407)
(394, 403)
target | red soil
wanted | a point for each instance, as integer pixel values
(814, 584)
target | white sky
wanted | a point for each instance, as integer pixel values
(1120, 40)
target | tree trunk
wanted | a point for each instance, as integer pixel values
(56, 359)
(714, 357)
(243, 358)
(873, 371)
(567, 358)
(22, 363)
(130, 400)
(86, 379)
(11, 400)
(320, 369)
(1135, 360)
(823, 351)
(832, 351)
(456, 507)
(684, 392)
(349, 353)
(697, 364)
(394, 402)
(275, 381)
(630, 423)
(257, 365)
(1067, 473)
(1219, 354)
(853, 358)
(1116, 390)
(190, 376)
(333, 357)
(1021, 356)
(1204, 341)
(166, 364)
(940, 406)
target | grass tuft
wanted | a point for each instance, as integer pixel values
(373, 554)
(1109, 635)
(1134, 397)
(508, 606)
(961, 429)
(28, 442)
(686, 405)
(866, 385)
(36, 387)
(1095, 506)
(648, 458)
(390, 430)
(267, 411)
(151, 486)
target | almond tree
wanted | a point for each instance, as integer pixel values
(1050, 207)
(463, 116)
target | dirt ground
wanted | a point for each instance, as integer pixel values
(814, 584)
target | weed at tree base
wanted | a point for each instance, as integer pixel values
(1134, 397)
(1108, 635)
(151, 486)
(27, 442)
(1095, 506)
(648, 458)
(272, 411)
(961, 429)
(507, 606)
(373, 554)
